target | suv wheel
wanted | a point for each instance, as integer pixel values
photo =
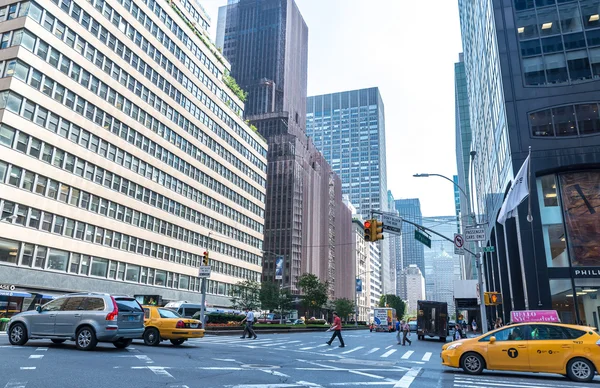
(57, 341)
(151, 337)
(580, 370)
(86, 338)
(122, 343)
(177, 342)
(472, 363)
(18, 334)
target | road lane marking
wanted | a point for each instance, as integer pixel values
(408, 378)
(373, 350)
(41, 349)
(407, 355)
(27, 367)
(389, 346)
(365, 374)
(516, 384)
(388, 353)
(224, 359)
(426, 357)
(267, 386)
(160, 371)
(274, 372)
(353, 350)
(36, 356)
(16, 384)
(359, 383)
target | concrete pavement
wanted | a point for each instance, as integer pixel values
(271, 361)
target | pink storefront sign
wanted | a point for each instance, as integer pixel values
(534, 316)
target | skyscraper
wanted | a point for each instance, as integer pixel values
(532, 72)
(123, 156)
(349, 129)
(306, 222)
(412, 251)
(414, 287)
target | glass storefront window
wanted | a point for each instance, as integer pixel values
(563, 300)
(588, 291)
(552, 224)
(580, 193)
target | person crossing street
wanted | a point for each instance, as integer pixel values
(406, 334)
(337, 330)
(249, 325)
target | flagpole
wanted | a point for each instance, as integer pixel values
(530, 220)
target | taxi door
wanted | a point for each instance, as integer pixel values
(509, 351)
(549, 348)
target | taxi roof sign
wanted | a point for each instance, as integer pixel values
(534, 316)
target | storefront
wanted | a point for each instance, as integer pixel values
(13, 300)
(569, 208)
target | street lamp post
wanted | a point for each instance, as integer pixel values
(477, 255)
(356, 297)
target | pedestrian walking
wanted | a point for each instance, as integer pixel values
(249, 325)
(399, 330)
(474, 325)
(498, 323)
(406, 334)
(337, 330)
(458, 332)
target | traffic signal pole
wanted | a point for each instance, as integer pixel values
(203, 292)
(484, 326)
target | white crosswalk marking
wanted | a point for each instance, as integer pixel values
(16, 384)
(353, 350)
(426, 357)
(470, 382)
(406, 355)
(388, 353)
(373, 350)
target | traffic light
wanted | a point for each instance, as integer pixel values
(492, 298)
(367, 230)
(205, 258)
(377, 230)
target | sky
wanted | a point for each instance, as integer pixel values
(408, 50)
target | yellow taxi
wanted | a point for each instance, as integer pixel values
(164, 324)
(569, 350)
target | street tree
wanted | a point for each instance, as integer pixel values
(246, 294)
(344, 307)
(269, 296)
(314, 291)
(285, 301)
(395, 302)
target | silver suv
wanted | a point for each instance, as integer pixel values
(86, 318)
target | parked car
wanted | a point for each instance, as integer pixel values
(86, 318)
(294, 322)
(165, 324)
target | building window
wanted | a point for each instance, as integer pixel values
(99, 267)
(567, 120)
(9, 250)
(57, 260)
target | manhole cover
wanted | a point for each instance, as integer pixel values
(259, 366)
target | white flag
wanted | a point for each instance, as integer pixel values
(518, 192)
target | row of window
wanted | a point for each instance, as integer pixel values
(42, 220)
(110, 68)
(197, 16)
(116, 154)
(69, 162)
(567, 120)
(111, 15)
(82, 47)
(41, 257)
(92, 83)
(39, 184)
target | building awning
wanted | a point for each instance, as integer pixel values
(15, 294)
(44, 296)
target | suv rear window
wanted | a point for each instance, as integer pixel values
(93, 304)
(573, 333)
(128, 305)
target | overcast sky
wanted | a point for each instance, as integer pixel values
(407, 49)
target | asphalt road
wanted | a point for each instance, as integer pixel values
(271, 361)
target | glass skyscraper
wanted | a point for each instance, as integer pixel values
(349, 129)
(413, 252)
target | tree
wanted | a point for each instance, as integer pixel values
(395, 302)
(286, 301)
(344, 307)
(269, 296)
(246, 294)
(314, 290)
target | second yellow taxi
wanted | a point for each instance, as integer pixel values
(569, 350)
(164, 324)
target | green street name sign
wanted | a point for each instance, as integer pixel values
(422, 238)
(489, 249)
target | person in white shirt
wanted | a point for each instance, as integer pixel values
(249, 324)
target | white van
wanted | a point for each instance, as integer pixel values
(184, 308)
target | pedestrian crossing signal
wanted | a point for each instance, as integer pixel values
(492, 298)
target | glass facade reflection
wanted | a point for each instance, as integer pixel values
(559, 41)
(568, 120)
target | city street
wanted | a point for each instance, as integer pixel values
(271, 361)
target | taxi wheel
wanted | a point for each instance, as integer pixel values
(177, 342)
(472, 363)
(580, 369)
(151, 337)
